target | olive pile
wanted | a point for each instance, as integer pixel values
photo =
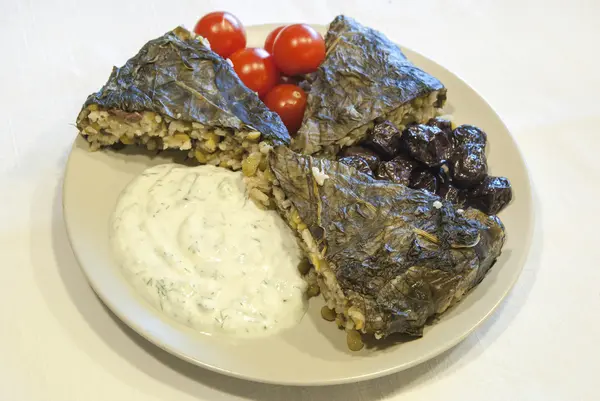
(434, 157)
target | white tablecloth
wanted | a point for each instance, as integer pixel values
(536, 62)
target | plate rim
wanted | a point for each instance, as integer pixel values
(433, 352)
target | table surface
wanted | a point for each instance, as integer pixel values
(535, 61)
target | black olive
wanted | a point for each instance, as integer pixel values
(445, 189)
(468, 135)
(423, 178)
(468, 165)
(358, 163)
(429, 145)
(444, 125)
(384, 138)
(491, 196)
(398, 170)
(367, 154)
(443, 176)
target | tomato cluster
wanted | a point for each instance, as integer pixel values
(273, 71)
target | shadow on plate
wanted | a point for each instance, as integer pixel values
(182, 376)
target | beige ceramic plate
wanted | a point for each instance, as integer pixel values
(314, 352)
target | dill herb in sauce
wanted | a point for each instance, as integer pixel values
(193, 246)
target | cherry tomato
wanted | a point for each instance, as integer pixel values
(224, 31)
(271, 38)
(256, 69)
(289, 101)
(298, 49)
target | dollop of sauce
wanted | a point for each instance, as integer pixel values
(192, 244)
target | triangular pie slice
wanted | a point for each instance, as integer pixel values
(364, 77)
(178, 94)
(387, 257)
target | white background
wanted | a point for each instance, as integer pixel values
(536, 61)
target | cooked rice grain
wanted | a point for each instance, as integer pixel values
(347, 316)
(236, 150)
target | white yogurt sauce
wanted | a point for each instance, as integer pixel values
(191, 243)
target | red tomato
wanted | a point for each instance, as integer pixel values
(224, 31)
(256, 69)
(289, 101)
(298, 49)
(271, 38)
